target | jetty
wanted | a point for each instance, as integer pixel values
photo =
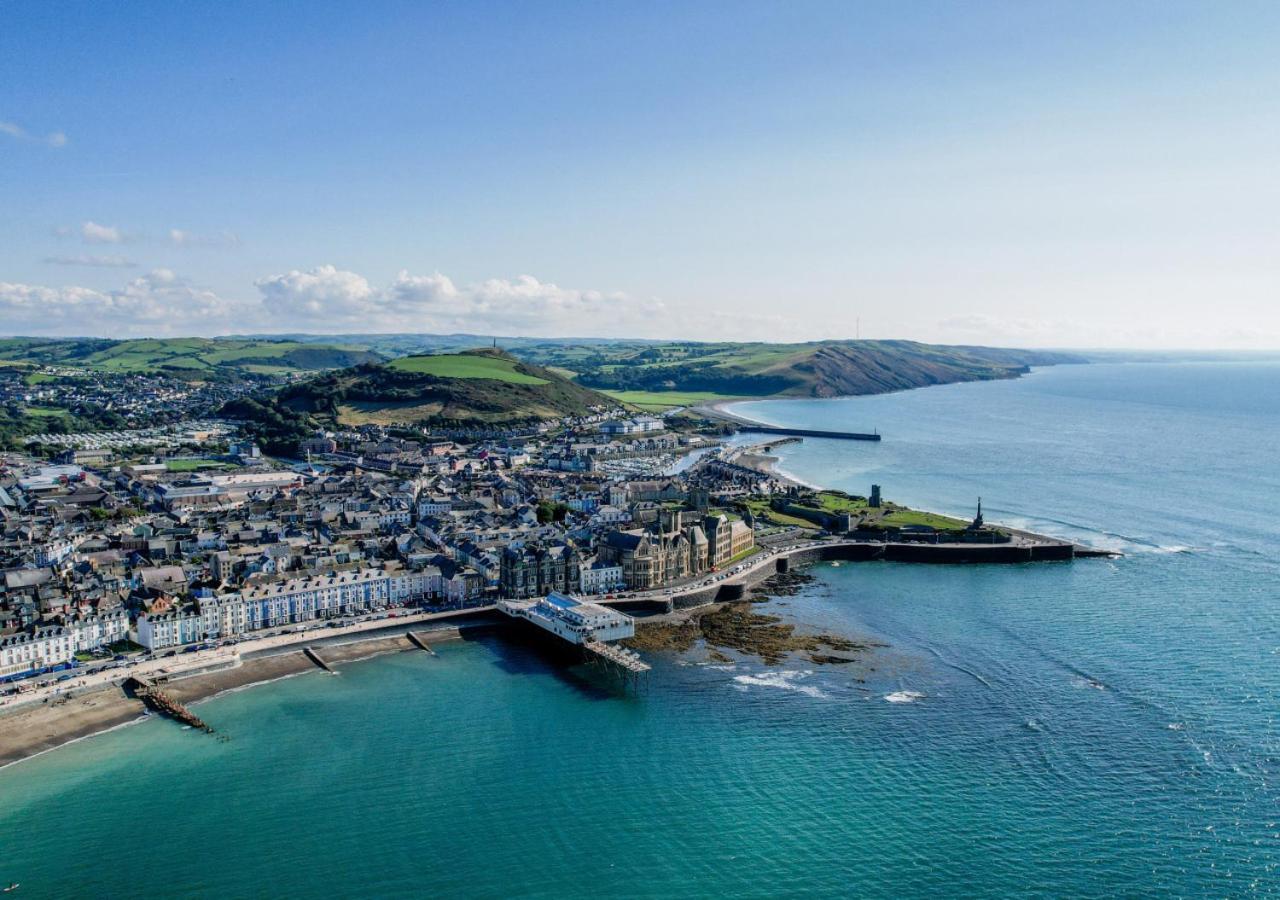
(589, 626)
(160, 702)
(748, 425)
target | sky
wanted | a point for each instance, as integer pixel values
(1026, 173)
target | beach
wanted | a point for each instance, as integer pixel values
(39, 725)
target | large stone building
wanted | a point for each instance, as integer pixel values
(537, 570)
(672, 550)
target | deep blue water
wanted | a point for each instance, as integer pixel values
(1097, 728)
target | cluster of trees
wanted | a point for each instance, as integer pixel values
(276, 428)
(551, 512)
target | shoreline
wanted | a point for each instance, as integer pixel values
(33, 729)
(70, 714)
(772, 466)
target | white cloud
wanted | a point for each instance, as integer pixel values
(181, 238)
(326, 293)
(106, 262)
(326, 298)
(158, 302)
(17, 132)
(330, 297)
(93, 233)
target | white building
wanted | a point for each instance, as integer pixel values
(25, 654)
(601, 578)
(434, 505)
(97, 631)
(577, 621)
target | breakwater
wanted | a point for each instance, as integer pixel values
(813, 433)
(777, 562)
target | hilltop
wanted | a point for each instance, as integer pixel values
(476, 387)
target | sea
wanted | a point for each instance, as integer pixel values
(1098, 728)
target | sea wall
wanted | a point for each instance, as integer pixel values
(943, 554)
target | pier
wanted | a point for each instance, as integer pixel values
(748, 425)
(587, 625)
(809, 432)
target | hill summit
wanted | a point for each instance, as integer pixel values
(474, 387)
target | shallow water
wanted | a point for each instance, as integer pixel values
(1088, 729)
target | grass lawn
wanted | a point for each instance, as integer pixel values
(760, 510)
(47, 412)
(752, 551)
(125, 646)
(191, 465)
(838, 503)
(656, 401)
(917, 517)
(465, 365)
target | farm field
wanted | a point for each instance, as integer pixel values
(465, 365)
(657, 401)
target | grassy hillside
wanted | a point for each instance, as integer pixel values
(189, 357)
(473, 388)
(643, 374)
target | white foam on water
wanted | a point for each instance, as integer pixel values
(904, 697)
(787, 681)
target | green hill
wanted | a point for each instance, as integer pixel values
(644, 373)
(183, 357)
(478, 387)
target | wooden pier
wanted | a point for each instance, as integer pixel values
(624, 664)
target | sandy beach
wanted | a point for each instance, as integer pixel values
(36, 727)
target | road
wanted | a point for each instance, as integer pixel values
(46, 687)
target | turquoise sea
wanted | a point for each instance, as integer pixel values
(1091, 729)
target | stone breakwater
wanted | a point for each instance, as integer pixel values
(736, 587)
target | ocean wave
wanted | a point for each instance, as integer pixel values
(904, 697)
(787, 681)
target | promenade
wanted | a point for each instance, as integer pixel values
(233, 655)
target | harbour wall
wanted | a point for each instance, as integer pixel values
(942, 554)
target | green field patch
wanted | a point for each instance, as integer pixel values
(194, 465)
(465, 365)
(901, 517)
(837, 502)
(662, 400)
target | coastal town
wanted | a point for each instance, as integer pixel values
(111, 556)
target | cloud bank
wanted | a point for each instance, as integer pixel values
(323, 298)
(335, 298)
(158, 303)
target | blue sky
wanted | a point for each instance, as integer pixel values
(1041, 174)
